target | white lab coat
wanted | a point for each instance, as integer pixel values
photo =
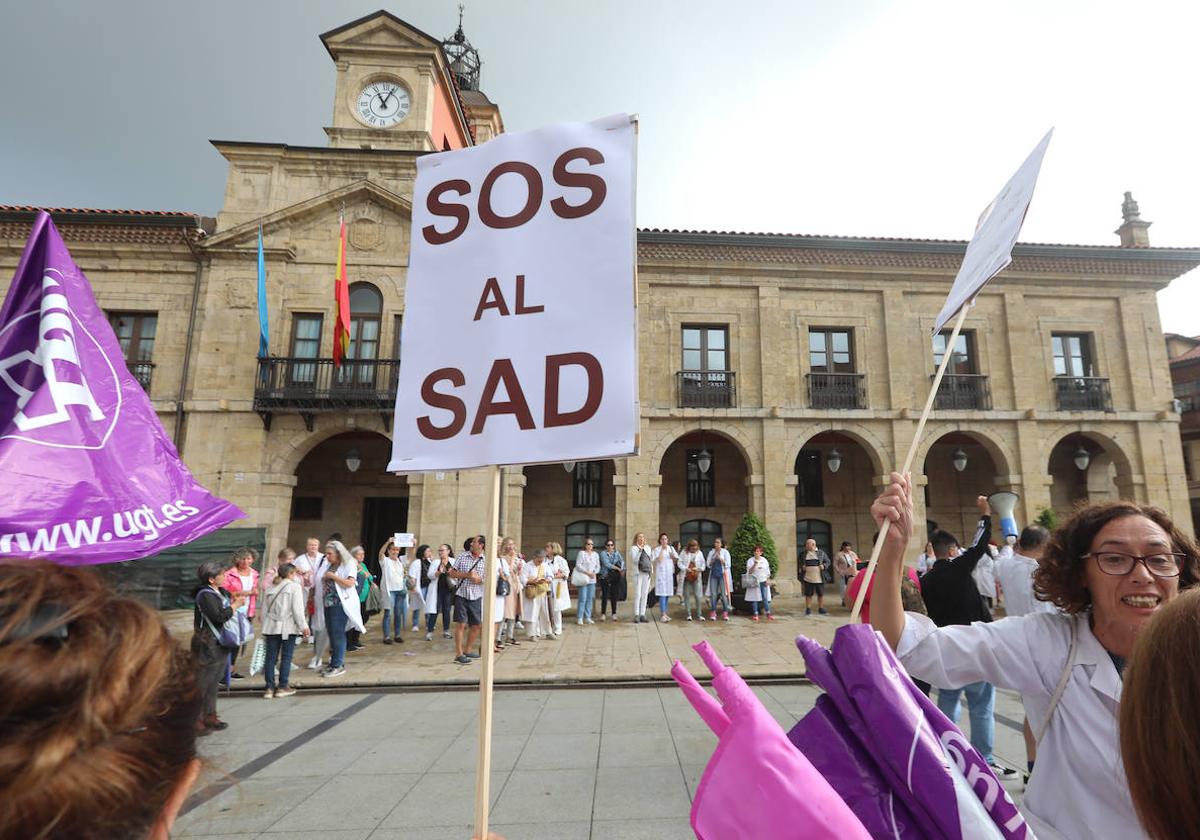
(348, 595)
(1015, 574)
(760, 567)
(317, 625)
(687, 558)
(416, 600)
(534, 611)
(664, 560)
(985, 575)
(392, 572)
(430, 587)
(562, 594)
(1078, 788)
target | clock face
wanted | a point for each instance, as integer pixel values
(383, 104)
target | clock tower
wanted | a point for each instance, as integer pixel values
(395, 88)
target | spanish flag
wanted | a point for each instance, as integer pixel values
(341, 298)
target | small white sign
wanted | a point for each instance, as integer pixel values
(403, 540)
(990, 249)
(519, 340)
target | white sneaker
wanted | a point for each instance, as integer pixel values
(579, 622)
(416, 629)
(334, 672)
(589, 621)
(701, 618)
(520, 626)
(1005, 774)
(429, 637)
(690, 617)
(315, 665)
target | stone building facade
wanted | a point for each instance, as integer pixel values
(779, 374)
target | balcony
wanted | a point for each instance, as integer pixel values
(313, 386)
(963, 392)
(706, 388)
(143, 372)
(837, 390)
(1083, 393)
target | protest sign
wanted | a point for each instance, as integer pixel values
(88, 471)
(519, 313)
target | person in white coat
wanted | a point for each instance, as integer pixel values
(341, 603)
(985, 575)
(758, 568)
(720, 580)
(395, 592)
(641, 564)
(535, 607)
(691, 572)
(283, 623)
(666, 560)
(560, 595)
(1108, 569)
(317, 622)
(414, 582)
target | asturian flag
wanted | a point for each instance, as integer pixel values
(88, 472)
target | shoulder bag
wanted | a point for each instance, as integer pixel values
(579, 578)
(643, 562)
(457, 584)
(503, 588)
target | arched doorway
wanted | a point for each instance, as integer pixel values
(1085, 468)
(366, 504)
(958, 468)
(566, 504)
(703, 487)
(834, 489)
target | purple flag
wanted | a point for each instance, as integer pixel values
(88, 472)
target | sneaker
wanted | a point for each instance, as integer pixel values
(712, 616)
(473, 654)
(415, 629)
(429, 637)
(520, 626)
(1005, 774)
(603, 617)
(400, 641)
(823, 611)
(236, 676)
(446, 635)
(589, 621)
(807, 611)
(579, 622)
(387, 641)
(754, 617)
(285, 691)
(463, 660)
(269, 694)
(666, 618)
(643, 619)
(701, 618)
(689, 616)
(334, 672)
(770, 616)
(315, 665)
(724, 616)
(215, 724)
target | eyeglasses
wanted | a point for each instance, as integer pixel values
(1160, 565)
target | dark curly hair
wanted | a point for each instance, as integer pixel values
(1059, 576)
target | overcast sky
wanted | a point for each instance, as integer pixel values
(858, 118)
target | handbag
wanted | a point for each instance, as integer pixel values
(749, 581)
(692, 574)
(643, 561)
(537, 588)
(579, 578)
(502, 587)
(374, 598)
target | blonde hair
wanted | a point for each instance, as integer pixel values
(101, 704)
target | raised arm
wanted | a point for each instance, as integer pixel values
(894, 505)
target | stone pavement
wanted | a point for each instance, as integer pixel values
(567, 764)
(605, 651)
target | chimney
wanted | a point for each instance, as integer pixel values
(1133, 231)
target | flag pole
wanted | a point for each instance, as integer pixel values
(908, 459)
(487, 656)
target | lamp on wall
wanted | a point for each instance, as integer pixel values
(704, 461)
(353, 461)
(569, 466)
(1082, 458)
(959, 459)
(834, 460)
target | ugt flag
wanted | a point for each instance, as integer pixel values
(88, 472)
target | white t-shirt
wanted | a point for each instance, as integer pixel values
(245, 579)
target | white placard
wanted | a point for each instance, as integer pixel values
(519, 341)
(990, 249)
(403, 540)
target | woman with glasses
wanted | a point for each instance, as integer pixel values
(588, 562)
(1108, 569)
(612, 579)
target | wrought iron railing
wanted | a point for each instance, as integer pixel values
(707, 388)
(963, 392)
(311, 386)
(1083, 393)
(143, 372)
(837, 390)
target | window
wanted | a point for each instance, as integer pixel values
(586, 484)
(1188, 394)
(703, 531)
(705, 348)
(700, 489)
(580, 532)
(307, 507)
(830, 351)
(365, 306)
(135, 333)
(962, 361)
(813, 529)
(810, 492)
(1072, 354)
(306, 344)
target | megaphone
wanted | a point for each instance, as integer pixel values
(1004, 502)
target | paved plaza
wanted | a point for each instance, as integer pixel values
(567, 764)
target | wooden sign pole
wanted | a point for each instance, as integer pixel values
(487, 658)
(912, 453)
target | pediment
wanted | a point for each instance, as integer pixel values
(381, 31)
(368, 208)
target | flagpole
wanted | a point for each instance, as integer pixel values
(908, 459)
(487, 656)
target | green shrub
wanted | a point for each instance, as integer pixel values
(751, 532)
(1047, 518)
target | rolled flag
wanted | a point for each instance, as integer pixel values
(88, 472)
(756, 784)
(901, 765)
